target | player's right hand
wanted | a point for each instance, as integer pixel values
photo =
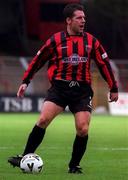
(21, 90)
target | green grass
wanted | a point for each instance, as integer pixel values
(106, 157)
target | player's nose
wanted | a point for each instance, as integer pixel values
(83, 20)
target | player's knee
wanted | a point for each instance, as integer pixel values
(83, 131)
(43, 122)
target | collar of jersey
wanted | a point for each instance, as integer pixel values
(81, 34)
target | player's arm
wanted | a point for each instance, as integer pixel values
(42, 56)
(102, 61)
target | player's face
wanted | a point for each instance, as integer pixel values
(76, 24)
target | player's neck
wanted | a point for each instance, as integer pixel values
(72, 33)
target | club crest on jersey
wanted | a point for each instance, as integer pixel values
(88, 48)
(74, 59)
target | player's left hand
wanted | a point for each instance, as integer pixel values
(113, 97)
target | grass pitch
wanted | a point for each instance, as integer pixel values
(106, 157)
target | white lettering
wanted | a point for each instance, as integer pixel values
(26, 105)
(6, 102)
(15, 105)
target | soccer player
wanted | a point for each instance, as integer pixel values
(69, 54)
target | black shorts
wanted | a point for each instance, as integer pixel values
(76, 95)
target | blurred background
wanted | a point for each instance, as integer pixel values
(24, 27)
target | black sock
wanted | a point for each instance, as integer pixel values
(34, 139)
(79, 148)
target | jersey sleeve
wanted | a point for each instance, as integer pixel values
(102, 60)
(42, 56)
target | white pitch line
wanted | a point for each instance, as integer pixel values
(5, 147)
(112, 149)
(53, 148)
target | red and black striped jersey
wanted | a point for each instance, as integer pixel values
(69, 58)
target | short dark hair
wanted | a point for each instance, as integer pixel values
(70, 8)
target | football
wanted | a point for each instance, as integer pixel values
(31, 163)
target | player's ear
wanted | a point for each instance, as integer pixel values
(68, 20)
